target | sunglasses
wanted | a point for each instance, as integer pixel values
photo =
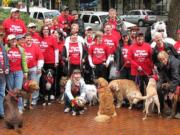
(32, 27)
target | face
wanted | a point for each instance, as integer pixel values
(45, 31)
(28, 40)
(74, 29)
(158, 40)
(112, 14)
(32, 29)
(140, 39)
(163, 60)
(13, 42)
(108, 29)
(56, 34)
(15, 15)
(89, 32)
(75, 16)
(76, 78)
(126, 38)
(73, 38)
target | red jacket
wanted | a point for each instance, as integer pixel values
(177, 47)
(140, 55)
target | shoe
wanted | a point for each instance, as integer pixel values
(33, 103)
(73, 113)
(21, 111)
(52, 97)
(66, 110)
(44, 104)
(1, 116)
(177, 116)
(81, 112)
(49, 103)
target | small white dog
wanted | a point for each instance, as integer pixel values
(91, 94)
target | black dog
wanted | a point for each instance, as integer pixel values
(48, 81)
(13, 119)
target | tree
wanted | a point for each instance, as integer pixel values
(173, 18)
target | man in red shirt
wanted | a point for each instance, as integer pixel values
(13, 24)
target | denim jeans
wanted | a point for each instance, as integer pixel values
(2, 93)
(32, 75)
(15, 80)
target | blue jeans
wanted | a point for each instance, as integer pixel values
(32, 75)
(2, 93)
(15, 81)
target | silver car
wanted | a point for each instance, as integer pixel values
(140, 17)
(93, 19)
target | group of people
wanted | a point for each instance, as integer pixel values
(65, 45)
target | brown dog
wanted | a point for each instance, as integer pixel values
(13, 119)
(123, 88)
(62, 84)
(106, 102)
(28, 88)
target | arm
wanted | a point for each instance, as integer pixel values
(68, 90)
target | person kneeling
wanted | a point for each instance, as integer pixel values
(75, 94)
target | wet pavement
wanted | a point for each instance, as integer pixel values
(51, 120)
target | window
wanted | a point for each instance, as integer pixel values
(35, 15)
(40, 16)
(86, 18)
(94, 19)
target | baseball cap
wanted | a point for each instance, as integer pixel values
(14, 10)
(31, 25)
(65, 8)
(88, 28)
(20, 36)
(11, 36)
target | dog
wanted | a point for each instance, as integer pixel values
(28, 88)
(78, 105)
(106, 102)
(62, 84)
(91, 94)
(123, 88)
(48, 81)
(13, 119)
(151, 97)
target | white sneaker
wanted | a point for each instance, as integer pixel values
(52, 97)
(21, 111)
(33, 102)
(49, 103)
(66, 110)
(73, 113)
(81, 112)
(44, 104)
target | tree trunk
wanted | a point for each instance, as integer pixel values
(147, 4)
(173, 18)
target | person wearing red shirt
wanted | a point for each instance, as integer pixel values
(65, 20)
(35, 61)
(18, 67)
(177, 44)
(48, 47)
(125, 66)
(98, 54)
(36, 38)
(89, 37)
(140, 56)
(13, 24)
(74, 54)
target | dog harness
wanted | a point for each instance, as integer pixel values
(50, 79)
(26, 86)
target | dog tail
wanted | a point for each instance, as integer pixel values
(102, 118)
(144, 97)
(17, 129)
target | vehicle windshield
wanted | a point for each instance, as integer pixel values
(51, 14)
(103, 17)
(150, 12)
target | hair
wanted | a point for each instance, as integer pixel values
(41, 31)
(112, 10)
(98, 34)
(28, 34)
(163, 54)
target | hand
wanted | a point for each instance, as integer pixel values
(93, 66)
(25, 76)
(139, 68)
(7, 71)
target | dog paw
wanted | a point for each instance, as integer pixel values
(44, 104)
(130, 107)
(144, 118)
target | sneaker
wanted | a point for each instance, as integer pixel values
(66, 110)
(73, 113)
(21, 111)
(49, 103)
(44, 104)
(177, 116)
(33, 103)
(52, 97)
(81, 112)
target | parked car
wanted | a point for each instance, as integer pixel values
(41, 13)
(140, 17)
(93, 19)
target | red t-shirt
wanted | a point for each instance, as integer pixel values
(111, 42)
(36, 39)
(177, 47)
(140, 55)
(47, 47)
(125, 50)
(15, 59)
(33, 54)
(14, 27)
(64, 21)
(99, 53)
(60, 47)
(74, 53)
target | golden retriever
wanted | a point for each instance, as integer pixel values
(151, 97)
(106, 102)
(123, 88)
